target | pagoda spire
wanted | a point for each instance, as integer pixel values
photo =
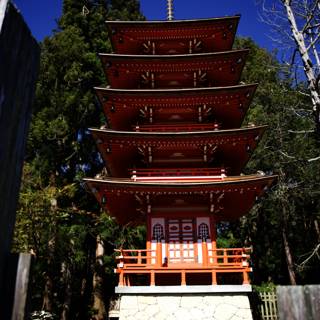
(170, 10)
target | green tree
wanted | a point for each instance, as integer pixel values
(283, 228)
(58, 221)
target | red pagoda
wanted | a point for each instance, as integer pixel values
(174, 150)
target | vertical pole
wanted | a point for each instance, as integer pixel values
(214, 278)
(22, 286)
(204, 253)
(245, 278)
(121, 279)
(183, 278)
(152, 278)
(170, 9)
(159, 254)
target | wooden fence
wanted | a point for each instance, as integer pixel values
(268, 307)
(289, 303)
(299, 302)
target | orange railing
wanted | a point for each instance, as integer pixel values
(134, 258)
(221, 257)
(214, 261)
(226, 257)
(178, 173)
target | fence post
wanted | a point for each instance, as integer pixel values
(268, 306)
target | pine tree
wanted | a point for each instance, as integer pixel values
(61, 220)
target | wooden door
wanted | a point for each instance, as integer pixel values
(181, 239)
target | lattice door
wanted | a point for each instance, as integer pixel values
(181, 240)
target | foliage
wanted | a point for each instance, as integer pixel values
(42, 315)
(265, 287)
(57, 220)
(288, 149)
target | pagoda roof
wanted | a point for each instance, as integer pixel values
(122, 150)
(226, 105)
(207, 35)
(174, 71)
(227, 200)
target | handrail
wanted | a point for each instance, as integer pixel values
(178, 171)
(134, 257)
(214, 261)
(175, 127)
(231, 257)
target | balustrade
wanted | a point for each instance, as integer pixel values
(179, 174)
(214, 261)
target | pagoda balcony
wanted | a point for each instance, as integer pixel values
(176, 127)
(178, 174)
(217, 266)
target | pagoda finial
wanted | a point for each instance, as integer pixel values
(170, 9)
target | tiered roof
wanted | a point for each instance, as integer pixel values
(225, 105)
(227, 199)
(173, 37)
(121, 149)
(174, 71)
(174, 108)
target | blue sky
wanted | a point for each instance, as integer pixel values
(42, 14)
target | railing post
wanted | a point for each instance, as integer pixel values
(183, 278)
(121, 279)
(139, 257)
(159, 254)
(214, 256)
(204, 253)
(152, 278)
(214, 278)
(245, 277)
(225, 256)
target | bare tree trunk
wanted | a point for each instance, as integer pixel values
(98, 303)
(316, 226)
(47, 294)
(307, 64)
(66, 276)
(47, 301)
(289, 259)
(48, 287)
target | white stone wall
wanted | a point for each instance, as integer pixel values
(185, 307)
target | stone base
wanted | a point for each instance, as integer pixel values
(232, 306)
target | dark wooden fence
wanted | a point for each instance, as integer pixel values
(288, 303)
(19, 60)
(299, 302)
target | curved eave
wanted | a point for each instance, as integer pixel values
(174, 71)
(168, 57)
(228, 104)
(174, 135)
(233, 197)
(216, 34)
(168, 92)
(232, 180)
(119, 148)
(172, 22)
